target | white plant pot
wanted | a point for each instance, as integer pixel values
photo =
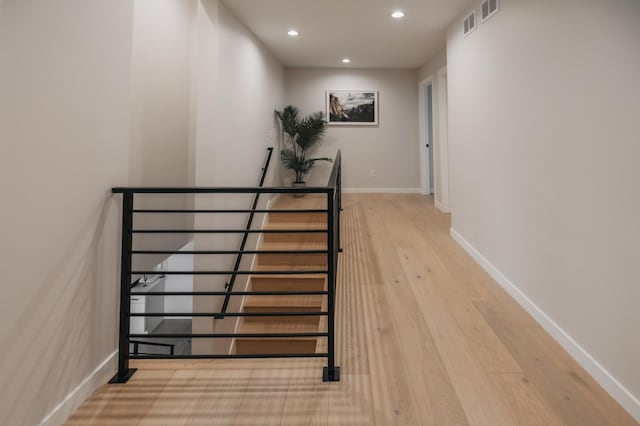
(298, 185)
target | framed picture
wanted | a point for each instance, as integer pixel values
(352, 108)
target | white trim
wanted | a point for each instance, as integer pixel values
(424, 175)
(381, 190)
(621, 394)
(441, 143)
(75, 398)
(440, 207)
(273, 201)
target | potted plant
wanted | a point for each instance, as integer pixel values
(300, 135)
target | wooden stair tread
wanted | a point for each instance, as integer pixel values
(256, 327)
(297, 345)
(313, 302)
(295, 226)
(315, 282)
(293, 245)
(310, 277)
(294, 260)
(266, 268)
(285, 218)
(308, 202)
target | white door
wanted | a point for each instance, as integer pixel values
(429, 139)
(426, 150)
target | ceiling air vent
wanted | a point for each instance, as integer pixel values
(470, 23)
(488, 8)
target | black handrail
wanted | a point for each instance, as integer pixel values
(221, 190)
(236, 266)
(333, 193)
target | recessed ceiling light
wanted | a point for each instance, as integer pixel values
(397, 14)
(346, 60)
(293, 33)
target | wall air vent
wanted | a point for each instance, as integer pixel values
(488, 8)
(469, 23)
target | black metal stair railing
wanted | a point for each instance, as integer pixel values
(137, 343)
(333, 194)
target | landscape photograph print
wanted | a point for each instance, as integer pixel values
(350, 107)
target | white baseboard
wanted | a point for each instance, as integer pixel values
(440, 207)
(273, 200)
(621, 394)
(381, 190)
(77, 396)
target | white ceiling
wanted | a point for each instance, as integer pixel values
(362, 30)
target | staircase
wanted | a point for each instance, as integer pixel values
(288, 282)
(289, 309)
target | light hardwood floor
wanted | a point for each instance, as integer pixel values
(425, 337)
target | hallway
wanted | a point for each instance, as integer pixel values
(424, 336)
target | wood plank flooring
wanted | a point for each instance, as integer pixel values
(424, 337)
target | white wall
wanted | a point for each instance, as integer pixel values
(544, 102)
(78, 116)
(179, 262)
(160, 92)
(434, 64)
(64, 142)
(435, 72)
(389, 149)
(239, 85)
(161, 118)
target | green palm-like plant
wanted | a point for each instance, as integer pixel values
(301, 134)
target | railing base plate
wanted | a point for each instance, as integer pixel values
(331, 375)
(123, 379)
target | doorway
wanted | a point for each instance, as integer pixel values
(427, 180)
(434, 150)
(428, 120)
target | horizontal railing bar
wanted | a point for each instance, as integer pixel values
(223, 190)
(229, 231)
(287, 272)
(223, 335)
(230, 252)
(233, 356)
(228, 211)
(139, 342)
(233, 314)
(225, 293)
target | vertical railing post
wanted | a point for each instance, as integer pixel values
(331, 373)
(339, 206)
(124, 372)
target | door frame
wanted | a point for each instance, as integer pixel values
(424, 164)
(440, 142)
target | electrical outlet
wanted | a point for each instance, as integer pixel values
(372, 173)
